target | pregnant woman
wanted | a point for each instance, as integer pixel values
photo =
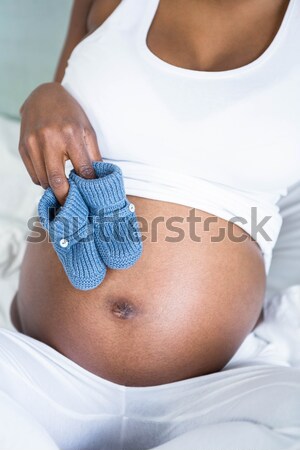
(197, 101)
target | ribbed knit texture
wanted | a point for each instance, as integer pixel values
(117, 235)
(70, 223)
(104, 193)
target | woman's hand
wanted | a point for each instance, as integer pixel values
(54, 128)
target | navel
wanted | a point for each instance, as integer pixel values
(123, 310)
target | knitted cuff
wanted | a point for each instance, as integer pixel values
(69, 228)
(106, 191)
(48, 207)
(65, 224)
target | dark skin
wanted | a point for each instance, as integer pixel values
(184, 308)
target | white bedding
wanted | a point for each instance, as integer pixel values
(277, 339)
(18, 199)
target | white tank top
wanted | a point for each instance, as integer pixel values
(224, 142)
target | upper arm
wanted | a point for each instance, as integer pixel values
(77, 30)
(86, 16)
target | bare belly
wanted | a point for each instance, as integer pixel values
(181, 311)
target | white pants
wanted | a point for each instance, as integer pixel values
(250, 405)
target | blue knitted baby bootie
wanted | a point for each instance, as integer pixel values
(117, 233)
(70, 233)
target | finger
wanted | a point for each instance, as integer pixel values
(55, 169)
(80, 158)
(29, 166)
(33, 149)
(35, 154)
(91, 145)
